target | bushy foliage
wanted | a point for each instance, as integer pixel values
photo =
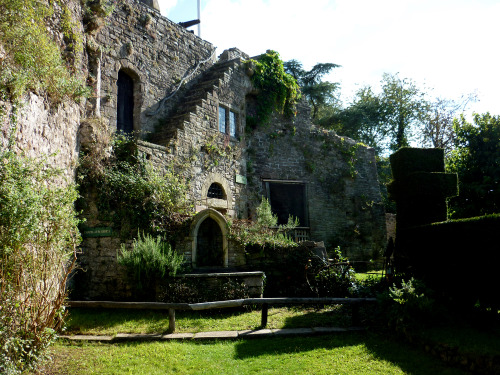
(412, 305)
(38, 239)
(33, 60)
(149, 258)
(278, 90)
(134, 191)
(263, 233)
(476, 160)
(331, 278)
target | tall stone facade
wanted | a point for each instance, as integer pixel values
(189, 108)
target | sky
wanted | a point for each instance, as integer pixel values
(448, 47)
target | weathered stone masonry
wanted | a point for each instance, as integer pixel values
(180, 92)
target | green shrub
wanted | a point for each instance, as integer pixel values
(149, 259)
(38, 240)
(412, 305)
(332, 279)
(264, 233)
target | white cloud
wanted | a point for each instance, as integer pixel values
(166, 6)
(446, 44)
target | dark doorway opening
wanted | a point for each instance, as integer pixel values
(125, 105)
(209, 252)
(288, 199)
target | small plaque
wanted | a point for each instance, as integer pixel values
(97, 232)
(241, 179)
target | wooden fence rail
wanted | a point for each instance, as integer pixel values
(355, 303)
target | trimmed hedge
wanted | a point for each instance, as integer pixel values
(409, 160)
(459, 257)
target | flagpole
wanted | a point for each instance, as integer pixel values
(199, 17)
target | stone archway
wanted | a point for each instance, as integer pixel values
(209, 252)
(209, 239)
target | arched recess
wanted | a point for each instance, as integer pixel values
(206, 222)
(226, 202)
(128, 102)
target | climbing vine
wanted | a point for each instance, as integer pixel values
(278, 90)
(132, 193)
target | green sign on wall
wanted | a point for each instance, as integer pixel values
(241, 179)
(97, 232)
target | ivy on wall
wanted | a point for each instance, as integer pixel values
(277, 90)
(132, 193)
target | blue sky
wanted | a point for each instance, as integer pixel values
(449, 47)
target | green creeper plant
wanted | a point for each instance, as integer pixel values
(278, 90)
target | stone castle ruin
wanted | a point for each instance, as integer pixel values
(152, 77)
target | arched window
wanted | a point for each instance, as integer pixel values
(216, 191)
(125, 103)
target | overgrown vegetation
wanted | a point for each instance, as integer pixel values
(263, 233)
(278, 90)
(38, 240)
(331, 278)
(33, 59)
(131, 191)
(150, 258)
(476, 160)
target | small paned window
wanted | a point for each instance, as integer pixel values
(228, 121)
(222, 119)
(215, 191)
(232, 124)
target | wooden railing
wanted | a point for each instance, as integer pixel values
(355, 303)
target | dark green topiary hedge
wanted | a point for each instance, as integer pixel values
(410, 160)
(460, 257)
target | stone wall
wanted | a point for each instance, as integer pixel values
(157, 53)
(38, 126)
(42, 129)
(343, 197)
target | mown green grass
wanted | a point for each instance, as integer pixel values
(340, 354)
(113, 321)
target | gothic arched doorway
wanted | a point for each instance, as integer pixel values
(210, 252)
(209, 239)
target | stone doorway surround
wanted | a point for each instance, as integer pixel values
(195, 227)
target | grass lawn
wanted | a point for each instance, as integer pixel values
(111, 322)
(349, 353)
(353, 353)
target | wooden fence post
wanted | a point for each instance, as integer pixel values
(171, 320)
(265, 308)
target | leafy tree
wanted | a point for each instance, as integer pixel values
(386, 120)
(438, 129)
(403, 109)
(318, 92)
(362, 120)
(476, 160)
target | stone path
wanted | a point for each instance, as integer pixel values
(214, 335)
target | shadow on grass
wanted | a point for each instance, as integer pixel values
(323, 316)
(367, 347)
(109, 321)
